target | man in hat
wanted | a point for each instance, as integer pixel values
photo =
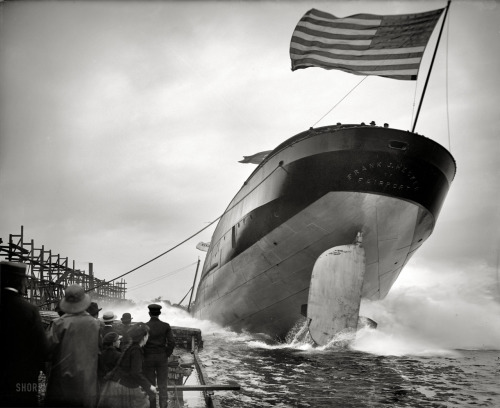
(126, 319)
(74, 348)
(108, 318)
(23, 341)
(126, 325)
(157, 350)
(94, 310)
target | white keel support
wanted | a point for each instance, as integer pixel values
(335, 291)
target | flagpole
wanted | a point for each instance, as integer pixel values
(430, 68)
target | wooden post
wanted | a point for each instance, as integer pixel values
(194, 282)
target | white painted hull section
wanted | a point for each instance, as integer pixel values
(263, 288)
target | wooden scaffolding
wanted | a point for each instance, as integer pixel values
(49, 274)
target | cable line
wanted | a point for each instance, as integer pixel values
(140, 285)
(190, 237)
(447, 81)
(190, 289)
(338, 103)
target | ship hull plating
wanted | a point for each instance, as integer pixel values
(312, 193)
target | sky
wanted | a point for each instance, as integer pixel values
(122, 124)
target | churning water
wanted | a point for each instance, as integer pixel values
(431, 349)
(302, 376)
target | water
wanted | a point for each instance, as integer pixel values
(381, 367)
(302, 376)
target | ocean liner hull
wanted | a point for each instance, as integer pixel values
(314, 192)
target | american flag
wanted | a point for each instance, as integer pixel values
(363, 44)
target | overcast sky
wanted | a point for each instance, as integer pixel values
(122, 123)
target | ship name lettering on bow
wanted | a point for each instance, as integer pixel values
(386, 175)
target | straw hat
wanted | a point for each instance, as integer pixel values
(75, 300)
(108, 317)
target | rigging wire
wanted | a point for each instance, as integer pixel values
(182, 300)
(414, 100)
(163, 275)
(140, 285)
(446, 81)
(190, 237)
(334, 106)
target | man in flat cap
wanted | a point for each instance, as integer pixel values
(157, 350)
(23, 341)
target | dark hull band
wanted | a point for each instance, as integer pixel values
(310, 178)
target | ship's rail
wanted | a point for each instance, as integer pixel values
(187, 338)
(188, 342)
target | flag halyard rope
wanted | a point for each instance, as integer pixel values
(338, 103)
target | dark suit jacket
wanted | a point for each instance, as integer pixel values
(161, 339)
(24, 348)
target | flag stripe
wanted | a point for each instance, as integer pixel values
(330, 39)
(361, 65)
(303, 47)
(362, 62)
(361, 19)
(408, 74)
(363, 44)
(305, 26)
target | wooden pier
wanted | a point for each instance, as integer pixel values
(188, 342)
